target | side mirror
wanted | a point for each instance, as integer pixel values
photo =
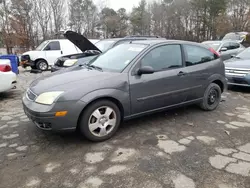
(223, 49)
(145, 70)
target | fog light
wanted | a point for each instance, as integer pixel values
(61, 114)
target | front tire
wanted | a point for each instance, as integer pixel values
(211, 98)
(42, 65)
(100, 121)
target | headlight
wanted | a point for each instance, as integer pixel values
(69, 62)
(48, 97)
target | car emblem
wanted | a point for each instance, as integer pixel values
(231, 71)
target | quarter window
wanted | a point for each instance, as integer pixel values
(55, 45)
(197, 55)
(163, 57)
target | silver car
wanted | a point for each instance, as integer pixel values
(226, 48)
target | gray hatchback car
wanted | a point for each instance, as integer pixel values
(128, 81)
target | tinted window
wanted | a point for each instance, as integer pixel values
(163, 57)
(197, 55)
(226, 45)
(55, 45)
(234, 45)
(42, 45)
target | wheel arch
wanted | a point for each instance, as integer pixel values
(219, 80)
(109, 98)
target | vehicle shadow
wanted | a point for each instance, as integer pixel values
(8, 95)
(240, 89)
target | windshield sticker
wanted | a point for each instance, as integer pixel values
(135, 49)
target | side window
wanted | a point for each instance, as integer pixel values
(197, 55)
(234, 45)
(163, 57)
(226, 45)
(55, 45)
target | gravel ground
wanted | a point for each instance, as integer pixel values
(183, 148)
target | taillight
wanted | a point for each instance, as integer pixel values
(214, 52)
(5, 68)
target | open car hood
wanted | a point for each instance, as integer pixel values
(80, 41)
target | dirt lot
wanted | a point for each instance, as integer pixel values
(184, 148)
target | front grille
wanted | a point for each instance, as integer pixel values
(238, 72)
(44, 126)
(240, 81)
(25, 58)
(30, 95)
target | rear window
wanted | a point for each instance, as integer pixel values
(196, 55)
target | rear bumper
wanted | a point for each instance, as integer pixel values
(9, 82)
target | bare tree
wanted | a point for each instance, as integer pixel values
(43, 15)
(58, 11)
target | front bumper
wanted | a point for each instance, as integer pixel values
(44, 117)
(27, 63)
(239, 80)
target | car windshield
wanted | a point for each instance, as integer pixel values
(232, 36)
(245, 54)
(117, 58)
(104, 45)
(85, 60)
(214, 45)
(42, 45)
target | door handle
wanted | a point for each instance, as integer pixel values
(181, 73)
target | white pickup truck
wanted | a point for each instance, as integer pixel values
(7, 77)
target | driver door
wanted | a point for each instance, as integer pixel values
(165, 87)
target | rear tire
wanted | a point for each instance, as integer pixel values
(100, 121)
(211, 98)
(42, 65)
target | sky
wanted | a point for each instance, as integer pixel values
(117, 4)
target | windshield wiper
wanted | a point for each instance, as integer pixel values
(95, 67)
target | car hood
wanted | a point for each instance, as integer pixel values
(77, 78)
(80, 41)
(244, 64)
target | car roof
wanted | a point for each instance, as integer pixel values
(133, 37)
(159, 41)
(220, 41)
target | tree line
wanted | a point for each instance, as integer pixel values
(25, 23)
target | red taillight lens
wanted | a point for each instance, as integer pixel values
(5, 68)
(214, 52)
